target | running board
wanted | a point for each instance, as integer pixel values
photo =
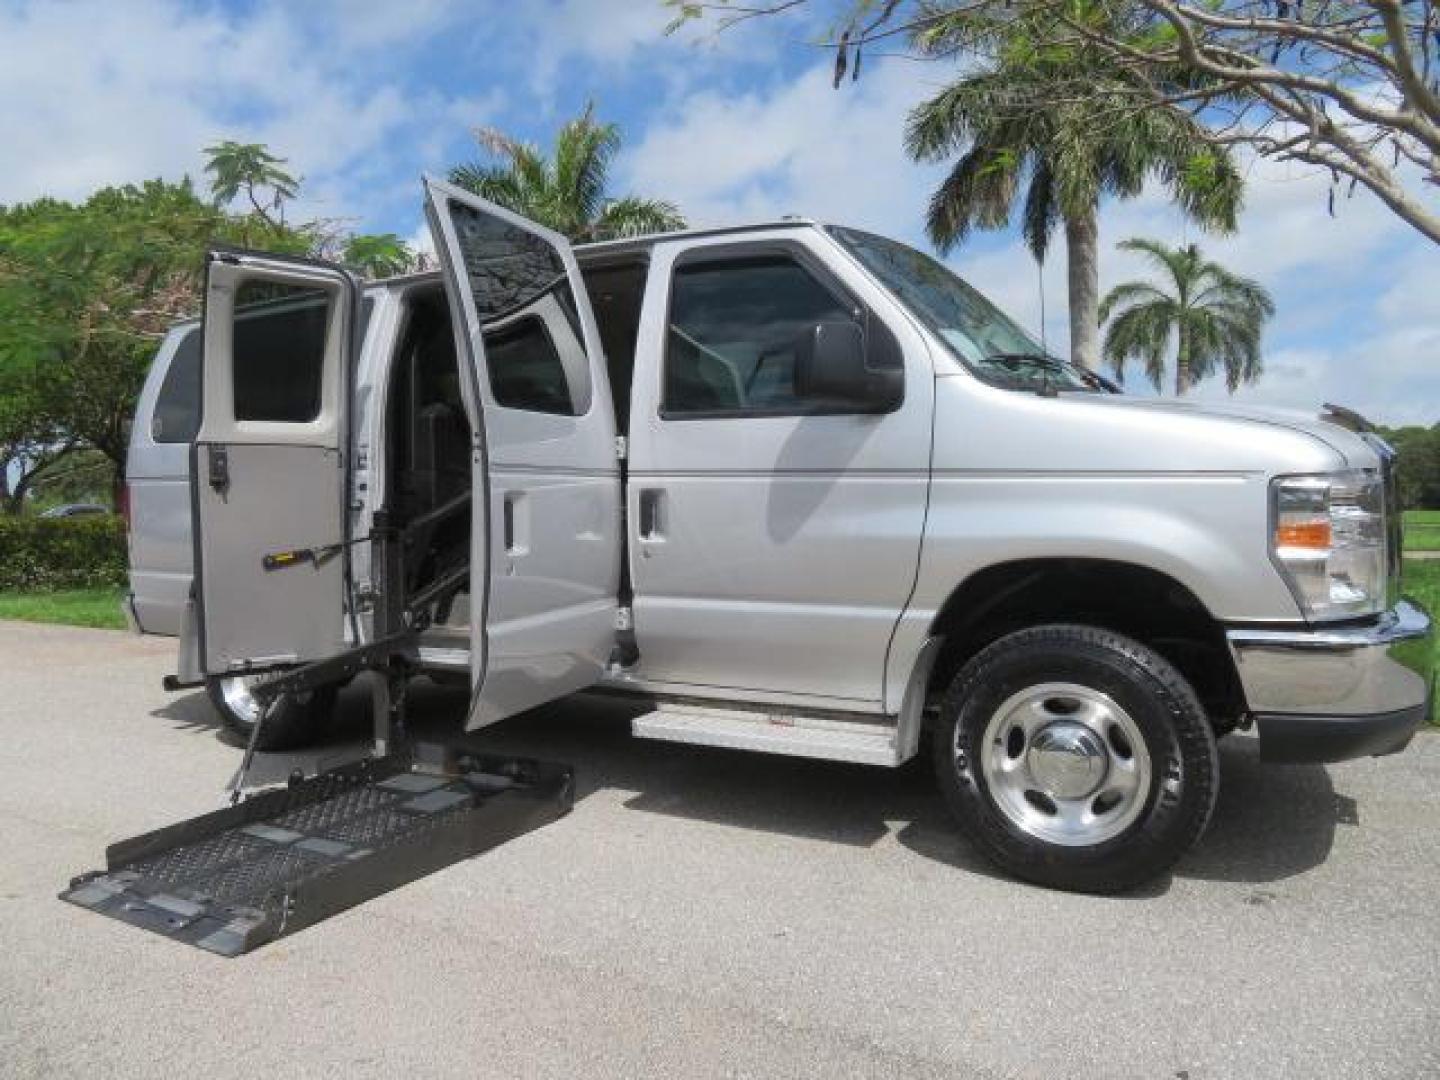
(287, 858)
(771, 732)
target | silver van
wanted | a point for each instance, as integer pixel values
(797, 486)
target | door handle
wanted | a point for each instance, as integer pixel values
(219, 469)
(517, 532)
(652, 516)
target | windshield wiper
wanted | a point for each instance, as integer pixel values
(1046, 364)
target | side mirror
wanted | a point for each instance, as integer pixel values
(834, 367)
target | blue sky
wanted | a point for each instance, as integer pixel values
(362, 97)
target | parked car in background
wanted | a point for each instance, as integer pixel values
(75, 510)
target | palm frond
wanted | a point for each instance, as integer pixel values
(496, 143)
(1171, 260)
(1143, 333)
(500, 185)
(978, 192)
(565, 189)
(584, 150)
(633, 216)
(1042, 212)
(1130, 292)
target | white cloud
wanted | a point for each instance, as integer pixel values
(1391, 377)
(169, 80)
(99, 93)
(422, 243)
(613, 40)
(800, 148)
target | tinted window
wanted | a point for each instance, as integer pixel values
(527, 309)
(177, 409)
(978, 333)
(525, 369)
(279, 351)
(734, 327)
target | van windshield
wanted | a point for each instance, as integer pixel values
(980, 335)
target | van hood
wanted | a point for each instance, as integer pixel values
(1326, 429)
(978, 426)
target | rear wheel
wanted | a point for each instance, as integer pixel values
(297, 719)
(1076, 758)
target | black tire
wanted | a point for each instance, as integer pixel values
(298, 719)
(1166, 815)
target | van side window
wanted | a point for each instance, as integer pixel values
(177, 407)
(525, 369)
(734, 325)
(279, 351)
(534, 347)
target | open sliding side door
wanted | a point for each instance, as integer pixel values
(546, 530)
(268, 471)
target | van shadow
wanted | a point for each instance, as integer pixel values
(1270, 823)
(344, 742)
(831, 440)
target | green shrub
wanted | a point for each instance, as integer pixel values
(41, 554)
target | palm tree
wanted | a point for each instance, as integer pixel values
(378, 255)
(249, 167)
(1216, 319)
(566, 190)
(1019, 123)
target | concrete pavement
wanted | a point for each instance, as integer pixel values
(708, 913)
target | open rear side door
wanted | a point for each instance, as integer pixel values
(268, 472)
(546, 533)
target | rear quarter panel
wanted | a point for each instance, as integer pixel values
(158, 474)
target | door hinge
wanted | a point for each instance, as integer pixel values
(624, 618)
(622, 448)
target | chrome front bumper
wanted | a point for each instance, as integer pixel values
(1332, 693)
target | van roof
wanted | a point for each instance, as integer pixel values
(630, 244)
(623, 246)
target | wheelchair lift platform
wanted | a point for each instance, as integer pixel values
(287, 858)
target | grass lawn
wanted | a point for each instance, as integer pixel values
(1422, 582)
(1422, 530)
(74, 607)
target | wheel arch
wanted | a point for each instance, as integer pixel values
(1141, 602)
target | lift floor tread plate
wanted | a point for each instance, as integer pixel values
(285, 859)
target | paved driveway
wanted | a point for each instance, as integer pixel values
(709, 913)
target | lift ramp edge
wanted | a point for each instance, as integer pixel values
(287, 858)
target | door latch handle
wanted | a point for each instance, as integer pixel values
(652, 519)
(219, 469)
(515, 523)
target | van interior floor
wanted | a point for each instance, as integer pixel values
(287, 858)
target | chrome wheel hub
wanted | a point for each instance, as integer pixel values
(1067, 760)
(236, 692)
(1065, 764)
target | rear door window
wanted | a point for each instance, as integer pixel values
(279, 351)
(177, 407)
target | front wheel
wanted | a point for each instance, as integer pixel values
(298, 719)
(1076, 758)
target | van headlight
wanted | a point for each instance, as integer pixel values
(1329, 540)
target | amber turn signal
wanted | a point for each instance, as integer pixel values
(1303, 534)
